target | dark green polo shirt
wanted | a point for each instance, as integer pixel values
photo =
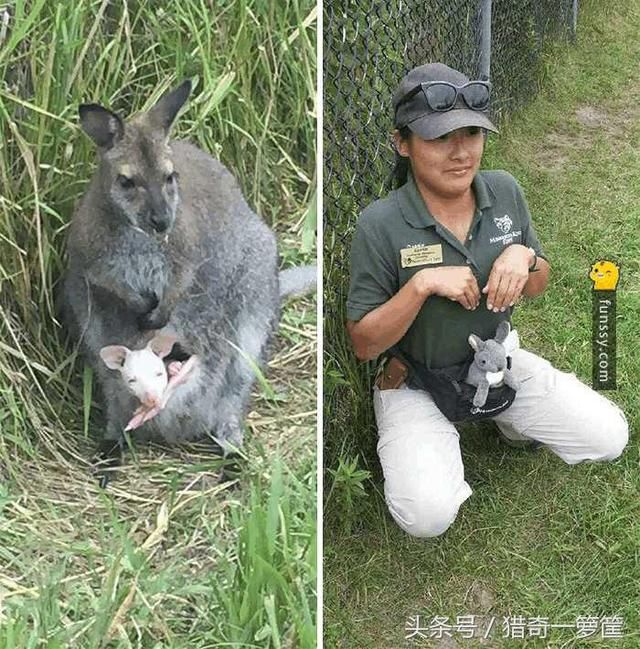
(396, 237)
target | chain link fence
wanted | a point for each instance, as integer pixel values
(368, 47)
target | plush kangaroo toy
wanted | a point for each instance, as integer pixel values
(489, 367)
(163, 236)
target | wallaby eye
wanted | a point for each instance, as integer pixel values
(132, 381)
(126, 183)
(172, 177)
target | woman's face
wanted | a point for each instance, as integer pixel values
(445, 166)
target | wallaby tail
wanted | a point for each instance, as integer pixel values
(298, 280)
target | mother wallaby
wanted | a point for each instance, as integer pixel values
(164, 238)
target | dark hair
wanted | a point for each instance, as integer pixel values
(400, 171)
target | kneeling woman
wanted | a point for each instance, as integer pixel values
(446, 254)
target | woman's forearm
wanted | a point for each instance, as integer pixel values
(388, 323)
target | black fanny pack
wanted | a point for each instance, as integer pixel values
(452, 394)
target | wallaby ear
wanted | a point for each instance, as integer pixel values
(163, 114)
(162, 344)
(101, 125)
(114, 356)
(475, 341)
(502, 331)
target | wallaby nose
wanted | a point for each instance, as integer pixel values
(150, 400)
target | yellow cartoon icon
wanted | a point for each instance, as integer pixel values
(605, 275)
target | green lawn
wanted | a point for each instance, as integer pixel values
(538, 538)
(166, 557)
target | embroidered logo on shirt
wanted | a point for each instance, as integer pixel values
(506, 239)
(504, 223)
(421, 255)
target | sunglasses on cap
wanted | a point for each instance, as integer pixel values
(442, 96)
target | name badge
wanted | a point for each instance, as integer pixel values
(421, 255)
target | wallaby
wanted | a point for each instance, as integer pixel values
(147, 376)
(163, 235)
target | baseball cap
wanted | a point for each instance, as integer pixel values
(421, 119)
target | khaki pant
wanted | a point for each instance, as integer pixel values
(419, 447)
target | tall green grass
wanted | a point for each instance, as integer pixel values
(166, 557)
(174, 583)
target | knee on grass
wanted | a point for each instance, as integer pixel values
(612, 438)
(604, 440)
(423, 517)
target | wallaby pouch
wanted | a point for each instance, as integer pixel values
(452, 394)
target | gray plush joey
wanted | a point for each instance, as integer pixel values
(489, 367)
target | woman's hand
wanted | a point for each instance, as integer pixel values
(457, 283)
(509, 274)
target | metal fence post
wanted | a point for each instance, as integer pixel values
(484, 55)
